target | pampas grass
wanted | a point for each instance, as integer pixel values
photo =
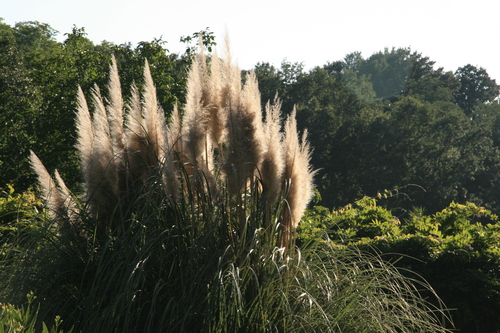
(221, 141)
(188, 226)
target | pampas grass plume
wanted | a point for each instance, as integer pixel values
(216, 104)
(50, 192)
(298, 172)
(272, 162)
(154, 119)
(245, 135)
(102, 176)
(115, 107)
(195, 121)
(85, 133)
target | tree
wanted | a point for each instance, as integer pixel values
(20, 103)
(270, 81)
(360, 85)
(436, 86)
(353, 61)
(279, 82)
(439, 149)
(389, 71)
(338, 123)
(476, 88)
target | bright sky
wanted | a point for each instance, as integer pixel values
(451, 32)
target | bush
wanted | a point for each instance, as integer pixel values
(455, 250)
(20, 215)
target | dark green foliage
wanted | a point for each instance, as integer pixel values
(206, 37)
(476, 88)
(279, 82)
(18, 115)
(389, 71)
(394, 121)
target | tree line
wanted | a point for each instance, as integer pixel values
(393, 121)
(390, 121)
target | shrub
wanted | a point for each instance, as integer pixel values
(455, 250)
(24, 319)
(21, 214)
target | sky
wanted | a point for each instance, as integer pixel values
(453, 33)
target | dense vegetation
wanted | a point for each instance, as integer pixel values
(423, 139)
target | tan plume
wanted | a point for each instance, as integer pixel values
(298, 173)
(272, 161)
(50, 193)
(244, 134)
(115, 107)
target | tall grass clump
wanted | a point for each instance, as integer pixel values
(189, 225)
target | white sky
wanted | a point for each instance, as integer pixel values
(452, 33)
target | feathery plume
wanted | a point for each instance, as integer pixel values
(100, 121)
(154, 119)
(85, 133)
(70, 208)
(61, 205)
(298, 173)
(102, 175)
(272, 160)
(216, 102)
(245, 135)
(195, 116)
(136, 142)
(134, 115)
(306, 181)
(115, 107)
(174, 131)
(50, 193)
(197, 141)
